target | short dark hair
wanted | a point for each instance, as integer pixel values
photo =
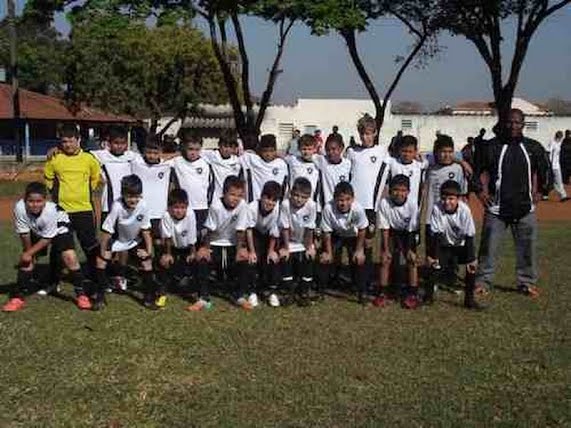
(334, 138)
(408, 140)
(306, 140)
(117, 132)
(443, 141)
(272, 190)
(228, 139)
(450, 188)
(399, 180)
(343, 188)
(68, 130)
(366, 121)
(188, 136)
(267, 141)
(233, 182)
(178, 196)
(301, 185)
(152, 142)
(36, 188)
(131, 185)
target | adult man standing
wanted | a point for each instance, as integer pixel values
(512, 171)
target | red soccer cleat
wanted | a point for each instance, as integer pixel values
(14, 304)
(83, 302)
(411, 302)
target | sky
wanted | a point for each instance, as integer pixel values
(320, 67)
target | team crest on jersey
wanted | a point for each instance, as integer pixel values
(410, 173)
(342, 178)
(305, 218)
(161, 175)
(407, 220)
(234, 218)
(455, 228)
(309, 170)
(451, 175)
(184, 233)
(373, 159)
(140, 217)
(199, 170)
(275, 171)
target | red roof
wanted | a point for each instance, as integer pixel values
(474, 105)
(43, 107)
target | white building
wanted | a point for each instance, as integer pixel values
(460, 122)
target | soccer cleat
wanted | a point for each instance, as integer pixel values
(253, 300)
(14, 304)
(410, 302)
(529, 290)
(42, 292)
(481, 289)
(83, 302)
(381, 301)
(565, 199)
(161, 301)
(98, 302)
(273, 300)
(119, 283)
(200, 305)
(244, 304)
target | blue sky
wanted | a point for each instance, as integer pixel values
(320, 66)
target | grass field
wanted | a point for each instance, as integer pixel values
(334, 364)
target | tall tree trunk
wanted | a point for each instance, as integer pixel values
(18, 132)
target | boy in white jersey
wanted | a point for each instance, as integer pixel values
(333, 168)
(127, 230)
(156, 178)
(443, 170)
(398, 221)
(303, 165)
(406, 164)
(344, 225)
(178, 232)
(366, 176)
(223, 163)
(555, 160)
(115, 164)
(263, 166)
(41, 224)
(263, 235)
(225, 246)
(297, 253)
(453, 232)
(194, 175)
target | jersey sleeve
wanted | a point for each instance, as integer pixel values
(210, 222)
(284, 220)
(382, 217)
(21, 222)
(166, 227)
(414, 218)
(49, 173)
(468, 223)
(312, 223)
(326, 220)
(50, 229)
(94, 173)
(242, 223)
(362, 220)
(436, 225)
(111, 220)
(192, 226)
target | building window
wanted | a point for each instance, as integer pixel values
(531, 126)
(406, 124)
(285, 133)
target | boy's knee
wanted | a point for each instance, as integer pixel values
(70, 260)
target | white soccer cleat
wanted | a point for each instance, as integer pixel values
(274, 301)
(253, 300)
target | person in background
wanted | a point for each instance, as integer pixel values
(555, 160)
(395, 144)
(292, 147)
(318, 141)
(565, 157)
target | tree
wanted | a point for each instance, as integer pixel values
(350, 17)
(482, 22)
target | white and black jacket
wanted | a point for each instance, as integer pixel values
(512, 166)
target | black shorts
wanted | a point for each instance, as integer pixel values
(298, 268)
(453, 256)
(63, 242)
(400, 242)
(156, 228)
(200, 220)
(372, 218)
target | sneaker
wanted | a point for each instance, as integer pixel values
(410, 302)
(161, 301)
(149, 303)
(273, 300)
(529, 290)
(200, 305)
(119, 283)
(83, 302)
(14, 305)
(244, 304)
(42, 292)
(545, 198)
(253, 300)
(565, 199)
(381, 301)
(481, 289)
(98, 302)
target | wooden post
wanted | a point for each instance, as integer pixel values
(14, 80)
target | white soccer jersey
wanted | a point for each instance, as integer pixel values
(397, 217)
(197, 179)
(126, 225)
(221, 169)
(331, 175)
(414, 171)
(297, 221)
(555, 154)
(259, 172)
(365, 173)
(300, 168)
(51, 222)
(265, 224)
(182, 232)
(345, 225)
(224, 222)
(436, 176)
(114, 168)
(455, 227)
(156, 180)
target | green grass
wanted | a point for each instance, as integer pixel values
(335, 364)
(9, 188)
